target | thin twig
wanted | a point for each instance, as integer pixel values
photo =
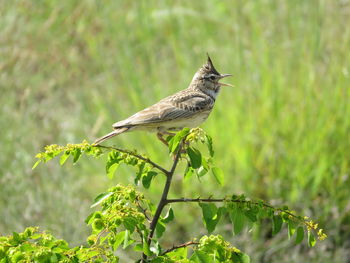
(218, 200)
(190, 243)
(147, 160)
(143, 210)
(184, 200)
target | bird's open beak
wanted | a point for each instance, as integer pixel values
(224, 76)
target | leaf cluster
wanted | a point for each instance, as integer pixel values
(128, 219)
(33, 245)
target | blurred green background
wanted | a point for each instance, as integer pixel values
(69, 69)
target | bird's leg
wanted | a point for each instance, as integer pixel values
(160, 137)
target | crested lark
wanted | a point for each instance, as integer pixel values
(186, 108)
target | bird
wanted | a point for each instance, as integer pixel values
(187, 108)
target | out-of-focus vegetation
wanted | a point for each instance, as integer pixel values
(69, 69)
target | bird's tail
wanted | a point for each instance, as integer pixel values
(110, 135)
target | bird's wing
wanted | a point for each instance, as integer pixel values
(170, 108)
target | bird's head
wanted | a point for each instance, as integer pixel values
(207, 78)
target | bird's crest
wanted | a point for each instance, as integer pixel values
(208, 67)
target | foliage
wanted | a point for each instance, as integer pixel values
(128, 219)
(35, 246)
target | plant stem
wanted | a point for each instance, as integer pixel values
(163, 201)
(184, 200)
(219, 200)
(180, 246)
(147, 160)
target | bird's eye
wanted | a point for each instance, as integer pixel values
(212, 77)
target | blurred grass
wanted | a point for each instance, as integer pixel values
(69, 69)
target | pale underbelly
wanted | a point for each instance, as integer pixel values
(174, 125)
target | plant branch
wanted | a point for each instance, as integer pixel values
(190, 243)
(185, 200)
(163, 201)
(147, 160)
(219, 200)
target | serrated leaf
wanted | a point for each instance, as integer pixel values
(64, 158)
(36, 164)
(99, 199)
(300, 235)
(311, 239)
(195, 157)
(218, 174)
(277, 224)
(111, 170)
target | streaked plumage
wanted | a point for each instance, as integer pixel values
(186, 108)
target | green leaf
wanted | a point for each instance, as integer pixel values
(130, 223)
(195, 157)
(100, 198)
(240, 258)
(160, 228)
(169, 216)
(200, 257)
(111, 170)
(209, 142)
(291, 228)
(179, 253)
(16, 237)
(64, 157)
(76, 155)
(140, 172)
(201, 171)
(218, 174)
(147, 179)
(36, 164)
(251, 214)
(97, 225)
(138, 247)
(146, 249)
(189, 172)
(126, 239)
(300, 235)
(277, 224)
(210, 215)
(175, 141)
(237, 218)
(119, 238)
(156, 249)
(311, 238)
